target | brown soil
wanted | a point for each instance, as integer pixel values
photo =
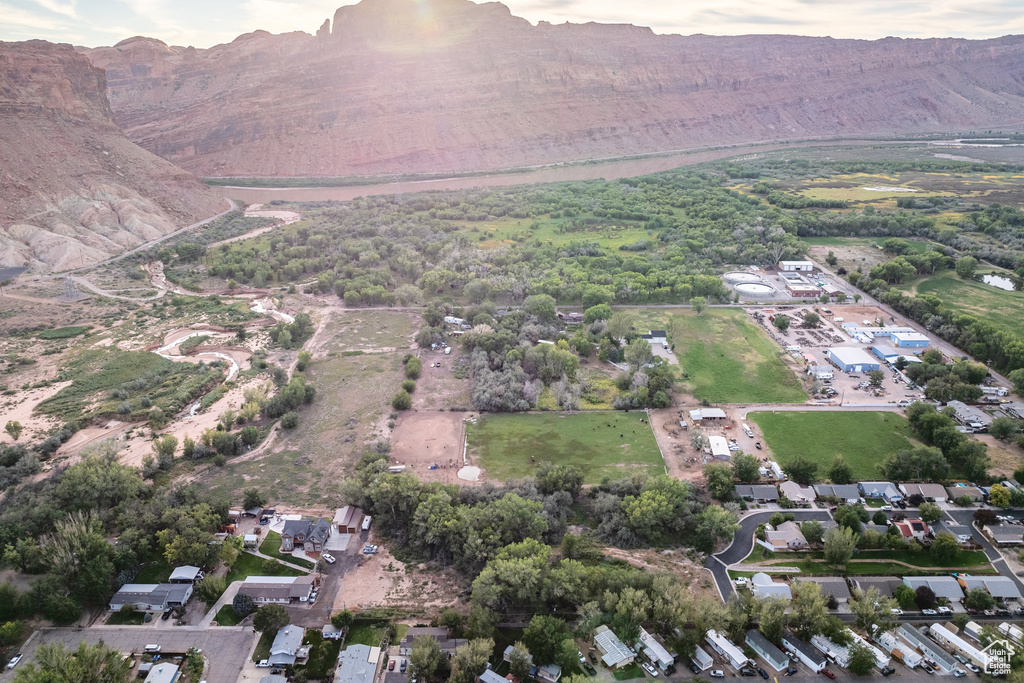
(438, 388)
(421, 439)
(696, 578)
(382, 580)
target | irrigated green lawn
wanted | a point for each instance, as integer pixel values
(864, 439)
(600, 444)
(998, 306)
(272, 546)
(249, 565)
(725, 358)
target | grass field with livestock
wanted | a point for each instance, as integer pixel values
(601, 444)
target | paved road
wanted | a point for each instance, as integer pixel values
(743, 542)
(226, 648)
(967, 517)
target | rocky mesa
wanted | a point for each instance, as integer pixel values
(451, 85)
(73, 189)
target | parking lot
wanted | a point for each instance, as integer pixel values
(225, 648)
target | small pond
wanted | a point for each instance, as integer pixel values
(999, 281)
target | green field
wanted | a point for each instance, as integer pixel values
(601, 444)
(248, 565)
(864, 439)
(272, 546)
(990, 303)
(918, 246)
(727, 359)
(556, 232)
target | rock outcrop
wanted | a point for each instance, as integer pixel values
(73, 189)
(449, 85)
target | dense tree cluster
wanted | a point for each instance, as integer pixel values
(969, 458)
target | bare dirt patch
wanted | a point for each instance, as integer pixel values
(693, 576)
(382, 580)
(438, 388)
(1006, 458)
(422, 439)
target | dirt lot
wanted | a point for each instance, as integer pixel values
(421, 439)
(696, 578)
(382, 580)
(438, 388)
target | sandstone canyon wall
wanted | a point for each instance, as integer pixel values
(449, 85)
(73, 189)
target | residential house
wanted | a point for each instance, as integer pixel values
(961, 532)
(959, 645)
(507, 655)
(975, 493)
(913, 528)
(831, 586)
(707, 414)
(548, 673)
(943, 586)
(877, 528)
(446, 643)
(881, 658)
(281, 590)
(489, 676)
(810, 656)
(837, 653)
(1005, 534)
(164, 672)
(846, 493)
(930, 492)
(885, 585)
(762, 586)
(726, 648)
(656, 651)
(613, 651)
(185, 574)
(801, 495)
(972, 629)
(898, 649)
(787, 536)
(880, 489)
(926, 646)
(308, 535)
(702, 659)
(357, 664)
(285, 648)
(1014, 633)
(999, 587)
(656, 337)
(758, 493)
(348, 519)
(151, 597)
(969, 416)
(765, 649)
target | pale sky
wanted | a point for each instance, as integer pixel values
(203, 23)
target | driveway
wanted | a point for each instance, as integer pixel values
(967, 517)
(226, 648)
(743, 543)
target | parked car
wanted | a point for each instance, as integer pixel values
(329, 559)
(945, 610)
(583, 660)
(166, 615)
(764, 674)
(959, 673)
(391, 665)
(742, 581)
(403, 665)
(150, 649)
(263, 664)
(896, 612)
(960, 658)
(747, 672)
(928, 668)
(929, 612)
(593, 657)
(369, 549)
(757, 445)
(14, 661)
(693, 667)
(886, 508)
(591, 671)
(654, 672)
(888, 671)
(717, 673)
(791, 670)
(828, 674)
(974, 667)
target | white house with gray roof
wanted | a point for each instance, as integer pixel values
(355, 665)
(285, 648)
(613, 651)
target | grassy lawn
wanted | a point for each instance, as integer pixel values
(628, 673)
(249, 565)
(727, 359)
(366, 634)
(966, 559)
(322, 655)
(263, 646)
(864, 439)
(154, 572)
(272, 546)
(227, 617)
(601, 444)
(136, 618)
(990, 303)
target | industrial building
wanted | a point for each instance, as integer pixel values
(852, 359)
(775, 657)
(969, 416)
(796, 266)
(913, 340)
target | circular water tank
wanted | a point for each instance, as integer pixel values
(755, 289)
(740, 276)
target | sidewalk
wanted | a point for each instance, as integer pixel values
(226, 599)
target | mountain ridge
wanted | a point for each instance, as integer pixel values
(73, 189)
(394, 86)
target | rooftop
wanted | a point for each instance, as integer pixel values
(834, 586)
(615, 650)
(354, 665)
(1002, 587)
(943, 586)
(757, 491)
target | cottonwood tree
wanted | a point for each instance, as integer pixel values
(930, 512)
(520, 661)
(839, 472)
(801, 470)
(808, 609)
(772, 618)
(862, 660)
(425, 658)
(270, 618)
(718, 477)
(746, 468)
(873, 611)
(839, 545)
(93, 663)
(470, 659)
(813, 530)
